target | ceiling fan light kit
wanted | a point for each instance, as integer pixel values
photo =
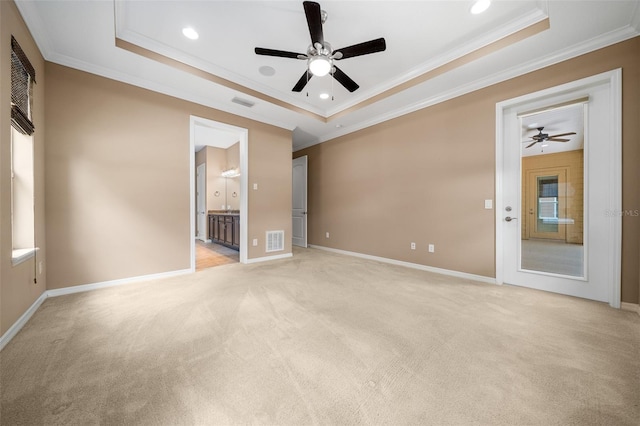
(319, 66)
(320, 55)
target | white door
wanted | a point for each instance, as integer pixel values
(299, 201)
(201, 202)
(588, 267)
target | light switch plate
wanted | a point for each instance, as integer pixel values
(488, 204)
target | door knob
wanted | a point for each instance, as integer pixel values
(509, 218)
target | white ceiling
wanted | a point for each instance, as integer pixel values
(421, 36)
(555, 121)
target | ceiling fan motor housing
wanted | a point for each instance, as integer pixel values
(320, 55)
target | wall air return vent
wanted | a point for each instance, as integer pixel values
(275, 241)
(243, 102)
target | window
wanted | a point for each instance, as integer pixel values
(22, 206)
(23, 75)
(548, 198)
(22, 156)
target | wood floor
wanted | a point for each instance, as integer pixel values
(209, 255)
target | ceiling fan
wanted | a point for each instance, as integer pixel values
(320, 55)
(541, 137)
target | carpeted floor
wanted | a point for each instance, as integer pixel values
(322, 339)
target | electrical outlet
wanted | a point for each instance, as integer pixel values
(327, 235)
(413, 246)
(40, 267)
(432, 248)
(255, 186)
(255, 242)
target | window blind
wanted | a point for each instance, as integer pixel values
(23, 75)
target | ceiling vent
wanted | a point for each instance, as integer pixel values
(243, 102)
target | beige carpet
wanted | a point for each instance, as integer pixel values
(322, 339)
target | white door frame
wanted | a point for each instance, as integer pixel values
(303, 215)
(614, 80)
(243, 136)
(201, 198)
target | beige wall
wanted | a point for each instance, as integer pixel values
(423, 177)
(217, 160)
(117, 179)
(216, 163)
(17, 289)
(270, 205)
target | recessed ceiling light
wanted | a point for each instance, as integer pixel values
(267, 71)
(190, 33)
(480, 6)
(324, 96)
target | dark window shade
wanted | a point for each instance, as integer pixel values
(23, 75)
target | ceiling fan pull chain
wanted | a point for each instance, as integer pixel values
(332, 98)
(307, 84)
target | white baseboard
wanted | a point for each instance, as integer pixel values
(17, 326)
(268, 258)
(449, 272)
(113, 283)
(633, 307)
(13, 330)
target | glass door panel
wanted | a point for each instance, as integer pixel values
(552, 228)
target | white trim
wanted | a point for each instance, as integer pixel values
(20, 255)
(441, 271)
(32, 18)
(198, 98)
(631, 307)
(114, 283)
(614, 79)
(603, 41)
(269, 258)
(520, 23)
(615, 195)
(17, 326)
(243, 136)
(192, 195)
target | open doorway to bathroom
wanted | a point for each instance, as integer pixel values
(219, 198)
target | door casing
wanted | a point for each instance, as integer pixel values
(201, 207)
(243, 137)
(504, 112)
(299, 202)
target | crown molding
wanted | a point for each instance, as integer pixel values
(467, 48)
(36, 27)
(166, 90)
(587, 46)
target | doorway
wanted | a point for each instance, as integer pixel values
(299, 202)
(220, 136)
(552, 232)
